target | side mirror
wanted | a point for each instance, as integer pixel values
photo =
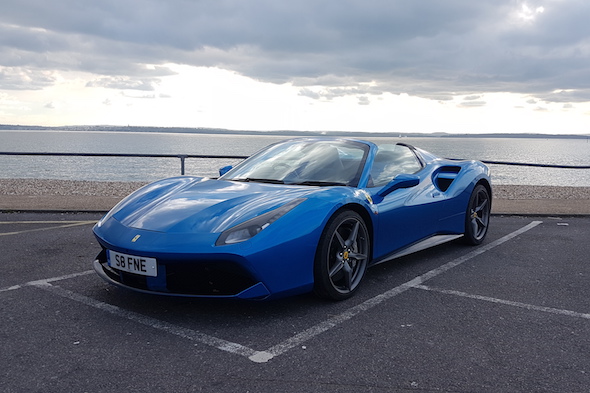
(400, 181)
(224, 170)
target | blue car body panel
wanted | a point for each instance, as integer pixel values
(179, 222)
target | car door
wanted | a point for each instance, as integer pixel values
(406, 215)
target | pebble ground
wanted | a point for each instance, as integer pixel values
(34, 187)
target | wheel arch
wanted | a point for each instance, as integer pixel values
(488, 186)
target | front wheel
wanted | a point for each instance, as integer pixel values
(342, 256)
(477, 217)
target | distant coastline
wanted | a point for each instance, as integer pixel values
(189, 130)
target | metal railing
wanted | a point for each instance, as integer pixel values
(183, 157)
(559, 166)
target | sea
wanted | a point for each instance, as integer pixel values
(554, 151)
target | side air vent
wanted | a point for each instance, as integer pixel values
(444, 177)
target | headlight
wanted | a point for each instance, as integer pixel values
(254, 226)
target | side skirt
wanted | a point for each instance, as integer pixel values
(421, 245)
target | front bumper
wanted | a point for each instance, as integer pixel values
(214, 279)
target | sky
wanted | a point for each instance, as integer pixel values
(455, 66)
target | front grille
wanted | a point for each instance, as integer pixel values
(198, 277)
(207, 278)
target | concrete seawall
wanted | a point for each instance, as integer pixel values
(75, 195)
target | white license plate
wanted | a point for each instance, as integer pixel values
(133, 264)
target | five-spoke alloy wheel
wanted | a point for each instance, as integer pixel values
(478, 215)
(342, 256)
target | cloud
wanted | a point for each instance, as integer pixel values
(138, 95)
(305, 92)
(472, 104)
(123, 83)
(16, 78)
(363, 100)
(429, 48)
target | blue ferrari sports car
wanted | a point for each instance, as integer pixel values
(302, 215)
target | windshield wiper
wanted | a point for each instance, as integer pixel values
(319, 183)
(257, 180)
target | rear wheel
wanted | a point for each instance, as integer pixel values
(478, 215)
(342, 256)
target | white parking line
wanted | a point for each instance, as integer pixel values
(154, 323)
(308, 334)
(64, 224)
(299, 338)
(506, 302)
(47, 280)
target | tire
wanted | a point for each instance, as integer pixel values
(342, 256)
(477, 217)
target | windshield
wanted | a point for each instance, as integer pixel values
(305, 162)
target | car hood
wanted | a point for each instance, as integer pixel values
(202, 205)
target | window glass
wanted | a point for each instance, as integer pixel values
(390, 161)
(303, 161)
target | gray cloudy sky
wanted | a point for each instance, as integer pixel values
(461, 51)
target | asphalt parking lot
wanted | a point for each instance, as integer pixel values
(512, 315)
